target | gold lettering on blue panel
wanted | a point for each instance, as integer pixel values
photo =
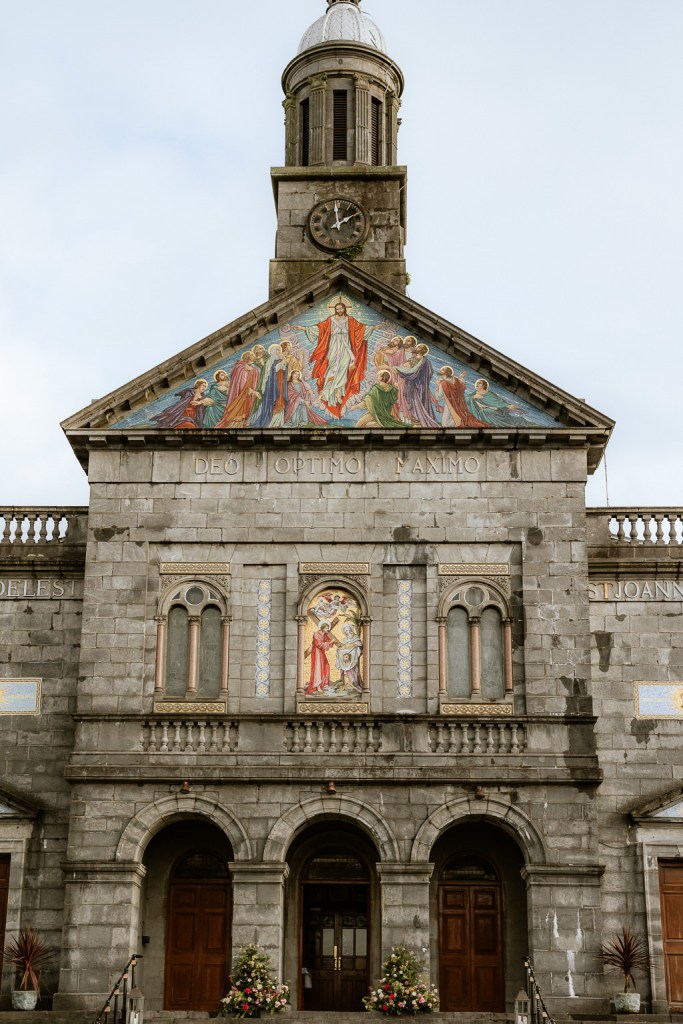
(659, 700)
(20, 696)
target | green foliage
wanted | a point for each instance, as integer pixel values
(626, 953)
(29, 955)
(401, 991)
(351, 253)
(253, 989)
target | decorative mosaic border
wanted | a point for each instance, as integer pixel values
(190, 708)
(659, 700)
(405, 638)
(20, 696)
(345, 568)
(485, 710)
(265, 602)
(339, 708)
(193, 568)
(474, 569)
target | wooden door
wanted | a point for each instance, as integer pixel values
(4, 896)
(335, 946)
(471, 969)
(671, 889)
(197, 938)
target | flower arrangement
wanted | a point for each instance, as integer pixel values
(253, 990)
(401, 991)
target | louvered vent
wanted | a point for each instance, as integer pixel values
(375, 129)
(340, 125)
(305, 122)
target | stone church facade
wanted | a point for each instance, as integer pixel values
(337, 658)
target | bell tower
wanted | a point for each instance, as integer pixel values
(341, 193)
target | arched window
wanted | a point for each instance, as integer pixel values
(475, 644)
(333, 642)
(193, 639)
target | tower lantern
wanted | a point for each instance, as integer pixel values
(341, 192)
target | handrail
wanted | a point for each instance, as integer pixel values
(103, 1016)
(538, 1011)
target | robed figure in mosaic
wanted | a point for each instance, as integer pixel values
(340, 358)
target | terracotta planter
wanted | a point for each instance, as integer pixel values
(24, 999)
(627, 1002)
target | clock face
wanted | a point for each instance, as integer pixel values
(337, 224)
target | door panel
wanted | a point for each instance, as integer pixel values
(198, 932)
(671, 890)
(472, 976)
(335, 945)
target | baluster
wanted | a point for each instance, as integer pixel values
(357, 726)
(201, 746)
(320, 749)
(514, 746)
(307, 738)
(213, 746)
(177, 749)
(116, 1004)
(477, 738)
(676, 529)
(439, 739)
(124, 1007)
(620, 535)
(333, 737)
(452, 738)
(234, 736)
(164, 737)
(189, 737)
(29, 526)
(380, 739)
(659, 529)
(151, 746)
(345, 738)
(369, 738)
(490, 748)
(296, 743)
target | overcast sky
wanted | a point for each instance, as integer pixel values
(545, 154)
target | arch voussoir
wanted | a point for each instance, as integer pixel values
(160, 813)
(338, 807)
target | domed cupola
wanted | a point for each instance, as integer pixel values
(343, 93)
(344, 20)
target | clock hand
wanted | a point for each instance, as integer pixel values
(338, 223)
(350, 217)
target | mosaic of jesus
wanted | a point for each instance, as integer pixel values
(339, 365)
(333, 655)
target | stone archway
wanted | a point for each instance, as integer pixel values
(497, 812)
(339, 808)
(155, 816)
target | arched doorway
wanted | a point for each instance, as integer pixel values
(332, 914)
(187, 917)
(479, 918)
(197, 933)
(471, 965)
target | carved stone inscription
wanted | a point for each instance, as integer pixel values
(636, 590)
(36, 590)
(364, 466)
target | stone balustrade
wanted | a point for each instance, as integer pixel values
(188, 736)
(474, 737)
(340, 736)
(42, 525)
(333, 736)
(625, 527)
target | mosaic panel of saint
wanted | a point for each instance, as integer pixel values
(334, 656)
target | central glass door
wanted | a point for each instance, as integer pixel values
(335, 945)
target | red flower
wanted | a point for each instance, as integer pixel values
(245, 1006)
(385, 1007)
(247, 991)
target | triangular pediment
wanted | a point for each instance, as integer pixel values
(16, 807)
(345, 352)
(664, 810)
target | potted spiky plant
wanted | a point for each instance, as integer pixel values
(29, 955)
(626, 953)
